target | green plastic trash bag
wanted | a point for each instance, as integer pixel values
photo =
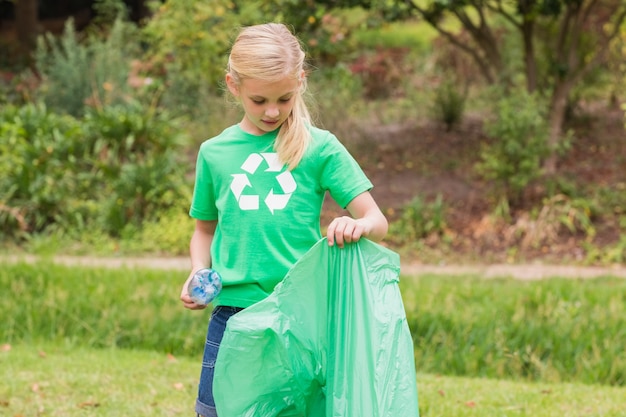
(331, 340)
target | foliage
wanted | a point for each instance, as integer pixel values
(137, 160)
(552, 25)
(165, 233)
(403, 34)
(449, 102)
(168, 234)
(382, 72)
(122, 96)
(108, 12)
(614, 253)
(75, 73)
(613, 201)
(40, 154)
(329, 33)
(558, 215)
(575, 38)
(118, 165)
(513, 158)
(193, 54)
(419, 220)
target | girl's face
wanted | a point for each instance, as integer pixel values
(266, 104)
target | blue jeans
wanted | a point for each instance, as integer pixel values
(205, 404)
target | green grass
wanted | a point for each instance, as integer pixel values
(554, 330)
(55, 380)
(557, 330)
(124, 308)
(59, 381)
(483, 397)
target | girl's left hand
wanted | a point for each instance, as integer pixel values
(366, 220)
(345, 229)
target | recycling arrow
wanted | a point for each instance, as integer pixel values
(273, 201)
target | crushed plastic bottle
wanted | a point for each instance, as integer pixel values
(204, 286)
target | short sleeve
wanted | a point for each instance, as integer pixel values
(203, 202)
(341, 174)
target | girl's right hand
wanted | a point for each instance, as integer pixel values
(184, 296)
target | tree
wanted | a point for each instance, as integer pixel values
(26, 21)
(577, 33)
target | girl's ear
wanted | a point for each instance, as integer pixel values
(232, 86)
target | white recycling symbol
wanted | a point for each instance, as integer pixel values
(272, 201)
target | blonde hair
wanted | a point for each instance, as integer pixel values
(270, 52)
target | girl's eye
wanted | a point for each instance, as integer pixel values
(262, 101)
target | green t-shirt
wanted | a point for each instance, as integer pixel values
(267, 216)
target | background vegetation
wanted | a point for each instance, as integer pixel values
(100, 130)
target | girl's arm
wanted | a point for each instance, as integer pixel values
(367, 221)
(200, 254)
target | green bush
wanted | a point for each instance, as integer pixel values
(449, 103)
(119, 165)
(557, 216)
(612, 253)
(399, 34)
(43, 168)
(93, 71)
(519, 133)
(168, 234)
(419, 219)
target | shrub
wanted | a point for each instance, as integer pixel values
(558, 215)
(419, 220)
(119, 165)
(519, 133)
(449, 103)
(136, 153)
(42, 167)
(76, 72)
(168, 233)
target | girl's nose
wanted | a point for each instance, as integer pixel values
(272, 112)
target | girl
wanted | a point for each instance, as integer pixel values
(260, 186)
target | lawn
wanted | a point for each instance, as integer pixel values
(51, 380)
(78, 341)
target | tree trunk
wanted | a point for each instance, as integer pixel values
(26, 21)
(556, 118)
(529, 56)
